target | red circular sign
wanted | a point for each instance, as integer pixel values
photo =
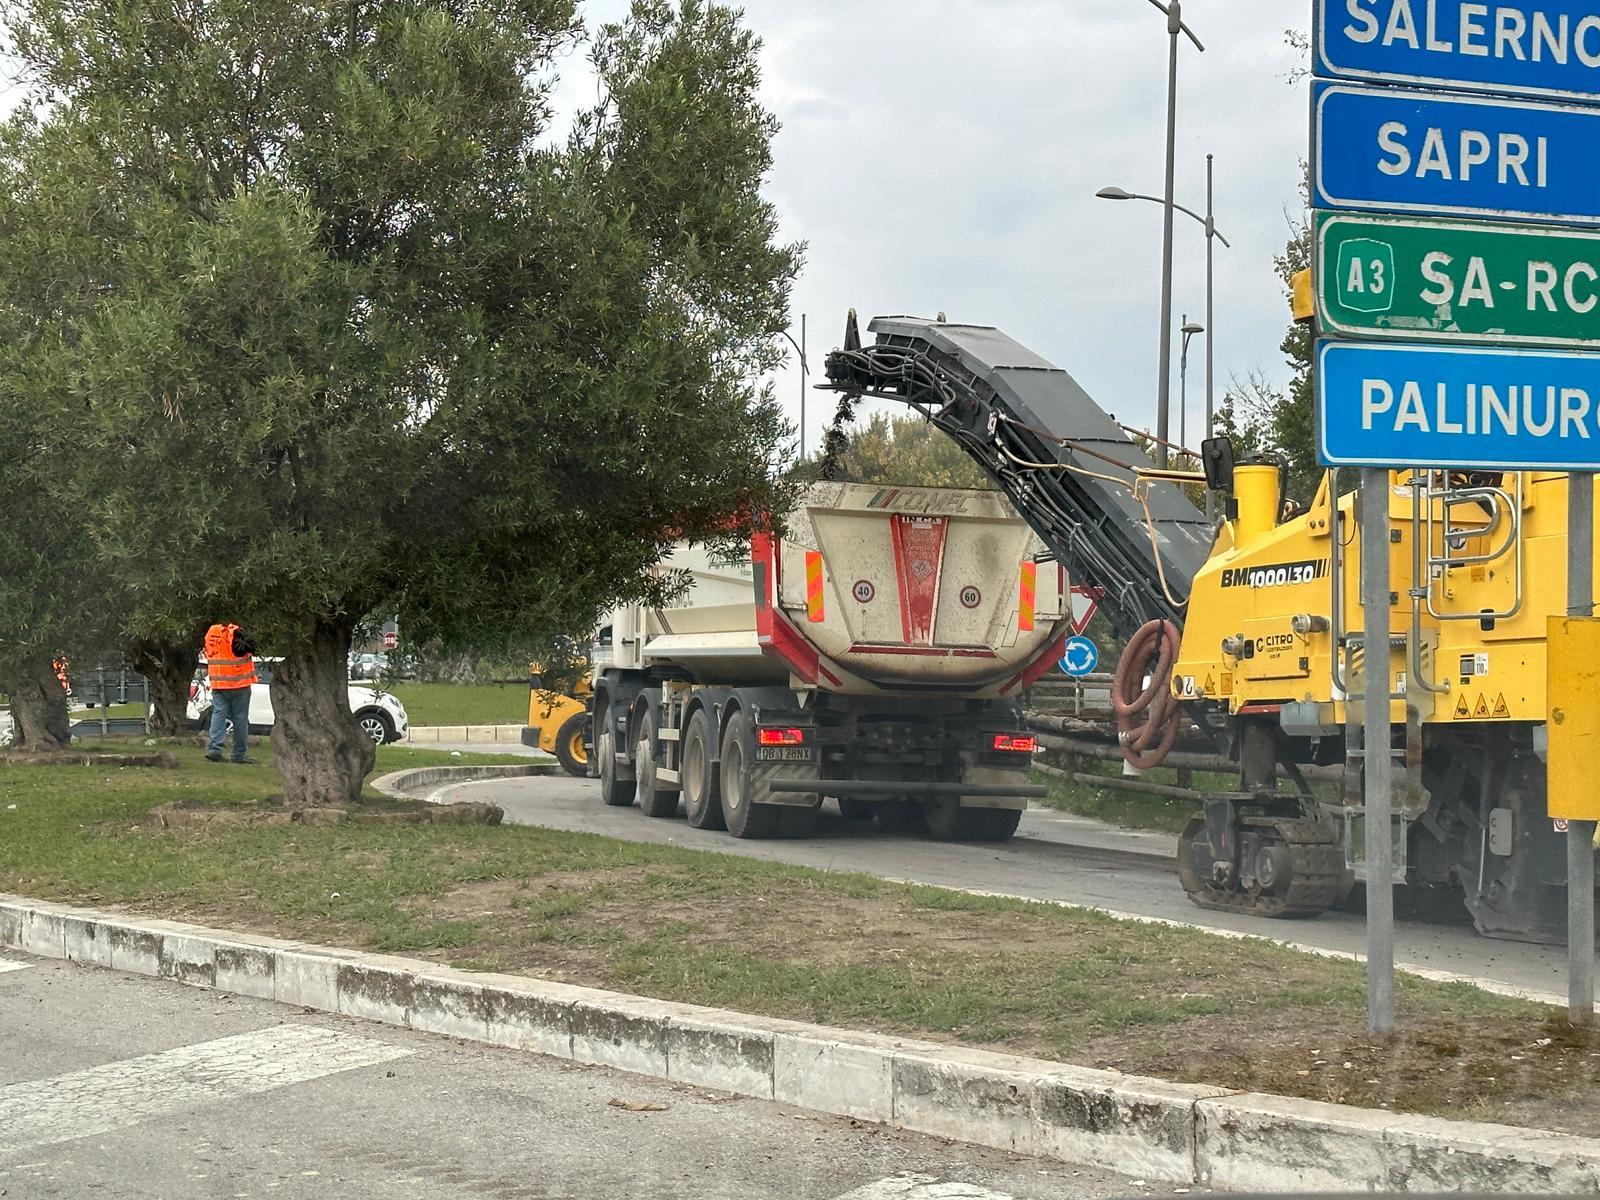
(863, 591)
(971, 597)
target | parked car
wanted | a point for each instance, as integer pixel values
(382, 717)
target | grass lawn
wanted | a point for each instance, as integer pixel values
(786, 941)
(463, 704)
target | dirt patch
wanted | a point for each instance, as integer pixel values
(1480, 1067)
(189, 816)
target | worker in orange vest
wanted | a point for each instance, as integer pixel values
(231, 670)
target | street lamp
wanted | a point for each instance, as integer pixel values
(1213, 235)
(1189, 330)
(1175, 26)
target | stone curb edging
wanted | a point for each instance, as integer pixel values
(406, 785)
(1143, 1127)
(418, 734)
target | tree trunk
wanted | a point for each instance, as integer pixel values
(168, 665)
(38, 710)
(321, 753)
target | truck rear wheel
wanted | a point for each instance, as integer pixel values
(614, 791)
(948, 821)
(742, 800)
(898, 816)
(655, 798)
(702, 789)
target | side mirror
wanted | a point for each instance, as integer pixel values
(1216, 456)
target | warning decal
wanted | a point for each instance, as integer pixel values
(1481, 713)
(1502, 711)
(1462, 711)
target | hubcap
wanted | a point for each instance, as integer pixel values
(694, 762)
(374, 729)
(733, 778)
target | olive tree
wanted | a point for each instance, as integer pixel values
(372, 337)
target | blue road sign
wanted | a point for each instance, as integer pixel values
(1401, 406)
(1081, 657)
(1545, 48)
(1398, 150)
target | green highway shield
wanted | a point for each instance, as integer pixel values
(1457, 281)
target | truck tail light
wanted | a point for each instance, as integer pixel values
(1020, 743)
(780, 737)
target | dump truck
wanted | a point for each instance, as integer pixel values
(874, 652)
(1251, 626)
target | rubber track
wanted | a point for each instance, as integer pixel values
(1317, 883)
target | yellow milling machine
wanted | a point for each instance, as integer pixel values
(1268, 605)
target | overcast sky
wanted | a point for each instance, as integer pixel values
(943, 155)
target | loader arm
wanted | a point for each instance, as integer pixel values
(1067, 466)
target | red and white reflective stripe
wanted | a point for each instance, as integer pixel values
(1027, 596)
(813, 585)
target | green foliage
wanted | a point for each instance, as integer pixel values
(338, 327)
(1263, 419)
(905, 450)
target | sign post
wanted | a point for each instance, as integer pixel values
(1377, 760)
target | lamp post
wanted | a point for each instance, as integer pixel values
(1213, 234)
(1189, 330)
(805, 370)
(1175, 26)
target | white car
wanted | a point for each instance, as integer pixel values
(382, 717)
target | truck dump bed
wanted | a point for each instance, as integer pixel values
(1067, 464)
(872, 590)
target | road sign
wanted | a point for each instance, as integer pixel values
(1524, 47)
(1397, 150)
(1457, 281)
(1085, 603)
(1081, 657)
(1403, 406)
(391, 640)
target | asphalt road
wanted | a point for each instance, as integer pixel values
(1055, 856)
(123, 1086)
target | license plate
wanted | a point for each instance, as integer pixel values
(783, 754)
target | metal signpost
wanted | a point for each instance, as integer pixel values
(1450, 109)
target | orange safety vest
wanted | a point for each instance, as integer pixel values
(222, 668)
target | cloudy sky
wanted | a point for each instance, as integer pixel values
(943, 155)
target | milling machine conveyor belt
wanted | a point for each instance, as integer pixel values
(1065, 464)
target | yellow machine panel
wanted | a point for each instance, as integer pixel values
(1574, 682)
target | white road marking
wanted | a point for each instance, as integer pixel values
(100, 1099)
(922, 1187)
(11, 964)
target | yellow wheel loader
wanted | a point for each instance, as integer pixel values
(558, 721)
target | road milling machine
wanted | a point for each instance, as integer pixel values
(1253, 630)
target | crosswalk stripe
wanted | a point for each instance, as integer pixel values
(117, 1095)
(922, 1187)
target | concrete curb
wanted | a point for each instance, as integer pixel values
(423, 782)
(418, 734)
(1145, 1127)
